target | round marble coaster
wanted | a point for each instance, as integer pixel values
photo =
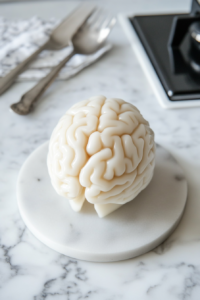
(133, 229)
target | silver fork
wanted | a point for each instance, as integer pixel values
(87, 40)
(58, 39)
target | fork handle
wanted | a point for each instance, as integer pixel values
(24, 106)
(7, 81)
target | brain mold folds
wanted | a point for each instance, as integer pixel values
(103, 151)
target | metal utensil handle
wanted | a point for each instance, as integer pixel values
(63, 32)
(7, 81)
(23, 107)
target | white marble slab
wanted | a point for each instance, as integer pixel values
(29, 270)
(134, 229)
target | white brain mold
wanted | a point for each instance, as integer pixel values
(102, 151)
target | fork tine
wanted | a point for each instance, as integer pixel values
(105, 31)
(111, 23)
(105, 22)
(94, 17)
(99, 20)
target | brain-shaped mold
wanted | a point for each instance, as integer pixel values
(102, 150)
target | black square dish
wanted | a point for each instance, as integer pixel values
(173, 67)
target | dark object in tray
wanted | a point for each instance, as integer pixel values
(168, 44)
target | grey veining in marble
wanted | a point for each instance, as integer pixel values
(31, 271)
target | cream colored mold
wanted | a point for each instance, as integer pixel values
(102, 150)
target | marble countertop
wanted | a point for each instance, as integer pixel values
(29, 269)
